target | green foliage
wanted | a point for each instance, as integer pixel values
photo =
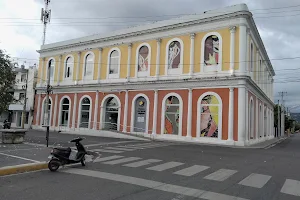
(7, 81)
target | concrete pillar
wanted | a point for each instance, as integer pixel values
(125, 112)
(241, 115)
(243, 49)
(42, 79)
(232, 49)
(78, 67)
(74, 114)
(128, 61)
(96, 111)
(190, 111)
(157, 58)
(55, 114)
(155, 112)
(192, 53)
(247, 117)
(263, 121)
(256, 120)
(230, 114)
(60, 65)
(99, 65)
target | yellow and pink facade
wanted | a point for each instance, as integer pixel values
(201, 78)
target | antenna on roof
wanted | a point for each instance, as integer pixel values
(45, 18)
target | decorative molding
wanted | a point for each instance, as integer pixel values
(232, 29)
(192, 35)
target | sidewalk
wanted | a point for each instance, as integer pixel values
(268, 144)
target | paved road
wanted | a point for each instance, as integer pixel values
(168, 171)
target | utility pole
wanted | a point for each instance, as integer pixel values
(45, 18)
(278, 120)
(282, 112)
(25, 99)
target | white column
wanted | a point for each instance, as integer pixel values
(192, 53)
(55, 111)
(232, 48)
(128, 61)
(78, 67)
(190, 111)
(242, 115)
(125, 112)
(247, 116)
(60, 65)
(257, 68)
(157, 58)
(37, 119)
(42, 80)
(263, 121)
(96, 111)
(247, 53)
(74, 111)
(243, 50)
(230, 114)
(155, 112)
(256, 121)
(99, 65)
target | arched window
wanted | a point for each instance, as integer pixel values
(265, 122)
(111, 114)
(88, 65)
(65, 112)
(251, 120)
(114, 62)
(174, 58)
(211, 51)
(260, 121)
(44, 116)
(51, 69)
(69, 67)
(143, 60)
(172, 115)
(85, 113)
(210, 116)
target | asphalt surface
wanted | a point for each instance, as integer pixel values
(224, 173)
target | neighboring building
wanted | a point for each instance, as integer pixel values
(23, 76)
(205, 78)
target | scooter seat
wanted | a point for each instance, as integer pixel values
(67, 149)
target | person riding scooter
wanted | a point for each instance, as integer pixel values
(6, 124)
(61, 156)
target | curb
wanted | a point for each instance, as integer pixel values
(275, 143)
(16, 169)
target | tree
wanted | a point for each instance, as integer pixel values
(276, 114)
(7, 81)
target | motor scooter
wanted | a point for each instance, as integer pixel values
(61, 156)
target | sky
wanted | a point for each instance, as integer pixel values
(21, 29)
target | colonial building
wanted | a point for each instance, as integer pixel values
(202, 78)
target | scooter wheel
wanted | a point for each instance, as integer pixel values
(53, 165)
(83, 162)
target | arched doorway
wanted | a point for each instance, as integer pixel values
(65, 106)
(251, 120)
(84, 120)
(111, 114)
(140, 115)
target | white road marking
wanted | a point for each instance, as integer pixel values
(107, 151)
(108, 143)
(220, 175)
(291, 187)
(122, 160)
(191, 170)
(142, 163)
(255, 180)
(155, 185)
(107, 158)
(22, 158)
(119, 149)
(129, 147)
(165, 166)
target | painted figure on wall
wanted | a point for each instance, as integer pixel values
(211, 50)
(143, 59)
(209, 116)
(172, 116)
(174, 55)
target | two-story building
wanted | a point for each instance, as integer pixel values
(202, 78)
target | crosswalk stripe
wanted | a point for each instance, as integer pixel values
(153, 185)
(151, 146)
(122, 160)
(291, 187)
(165, 166)
(107, 158)
(190, 171)
(142, 163)
(255, 180)
(220, 175)
(128, 147)
(107, 151)
(119, 149)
